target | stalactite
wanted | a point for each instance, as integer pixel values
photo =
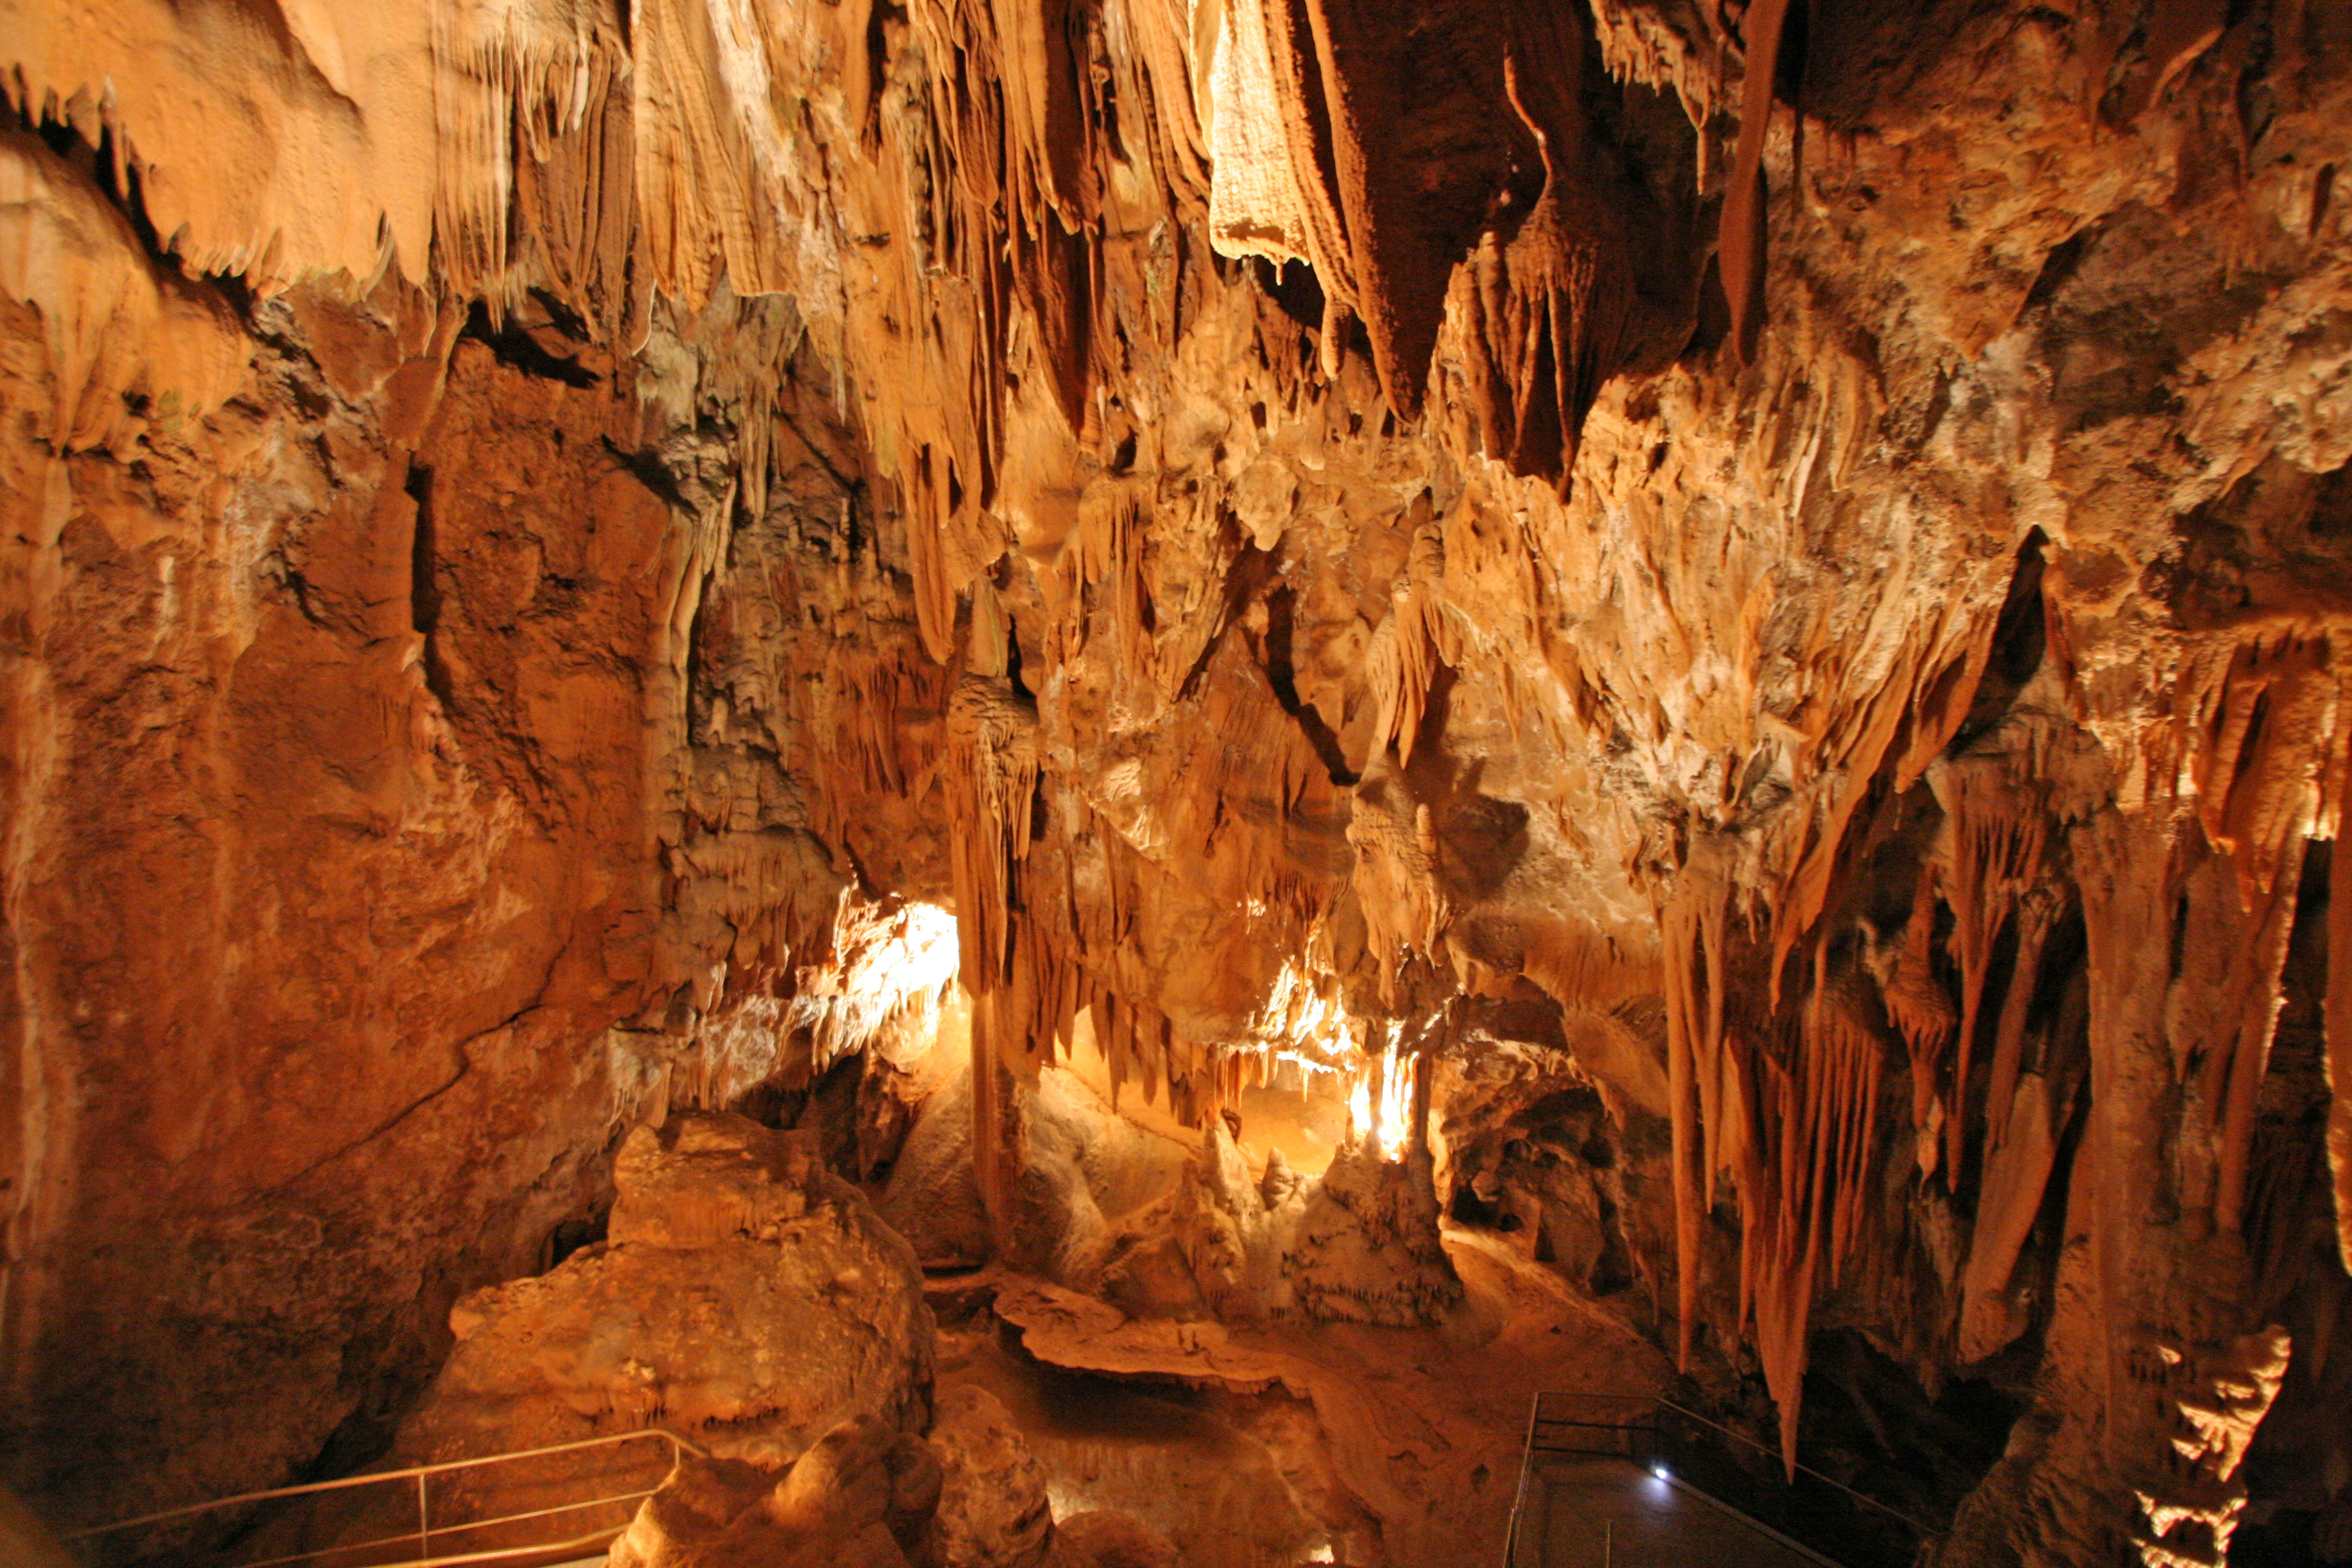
(1706, 1092)
(1109, 556)
(1849, 755)
(2016, 1173)
(1923, 1014)
(2258, 716)
(1997, 838)
(2268, 712)
(2234, 1062)
(1546, 315)
(1902, 727)
(991, 763)
(1803, 1190)
(2037, 916)
(1740, 253)
(1412, 645)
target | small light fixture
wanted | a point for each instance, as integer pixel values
(1658, 1468)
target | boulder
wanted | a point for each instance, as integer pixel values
(747, 1299)
(1108, 1538)
(861, 1497)
(992, 1511)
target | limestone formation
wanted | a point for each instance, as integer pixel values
(1104, 1538)
(1705, 636)
(993, 1511)
(744, 1298)
(861, 1496)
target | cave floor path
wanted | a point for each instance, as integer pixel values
(1589, 1512)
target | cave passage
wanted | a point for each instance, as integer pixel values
(1136, 784)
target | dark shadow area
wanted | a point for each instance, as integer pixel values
(515, 347)
(2293, 1518)
(1281, 674)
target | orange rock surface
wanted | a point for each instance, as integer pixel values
(1755, 585)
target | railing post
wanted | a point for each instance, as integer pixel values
(1519, 1497)
(424, 1524)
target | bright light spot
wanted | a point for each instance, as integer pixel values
(1380, 1105)
(1322, 1554)
(1660, 1471)
(1310, 1066)
(1065, 1500)
(1301, 1024)
(892, 963)
(918, 954)
(1396, 1103)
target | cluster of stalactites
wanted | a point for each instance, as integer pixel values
(2249, 760)
(1330, 128)
(1788, 1109)
(1043, 965)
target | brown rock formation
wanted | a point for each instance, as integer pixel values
(1809, 615)
(993, 1510)
(861, 1496)
(746, 1300)
(1104, 1538)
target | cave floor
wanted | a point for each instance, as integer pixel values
(1252, 1447)
(1611, 1513)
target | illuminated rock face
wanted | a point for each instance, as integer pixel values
(1328, 535)
(745, 1298)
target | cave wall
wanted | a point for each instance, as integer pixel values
(328, 815)
(1293, 522)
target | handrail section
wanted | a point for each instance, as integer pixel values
(422, 1537)
(1651, 1428)
(1519, 1497)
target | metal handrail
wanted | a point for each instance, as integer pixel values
(469, 1524)
(1537, 1419)
(1519, 1497)
(1660, 1401)
(425, 1530)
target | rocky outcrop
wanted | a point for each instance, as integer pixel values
(1105, 1538)
(862, 1496)
(329, 817)
(745, 1308)
(867, 1496)
(745, 1298)
(993, 1511)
